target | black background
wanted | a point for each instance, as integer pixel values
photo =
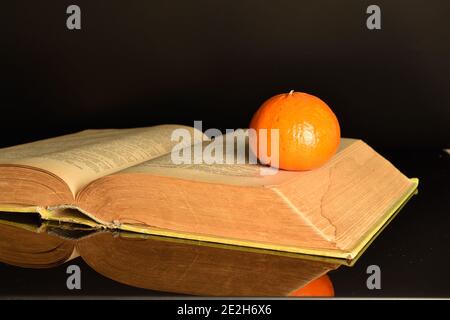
(139, 63)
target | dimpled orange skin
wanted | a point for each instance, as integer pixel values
(309, 130)
(321, 287)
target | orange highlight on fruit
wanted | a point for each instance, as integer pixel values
(321, 287)
(309, 132)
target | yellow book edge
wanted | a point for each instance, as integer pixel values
(347, 258)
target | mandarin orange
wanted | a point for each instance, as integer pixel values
(309, 132)
(321, 287)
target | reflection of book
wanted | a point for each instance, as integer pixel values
(124, 179)
(164, 264)
(25, 242)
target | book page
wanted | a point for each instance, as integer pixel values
(242, 172)
(238, 174)
(83, 157)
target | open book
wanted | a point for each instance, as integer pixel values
(158, 263)
(125, 179)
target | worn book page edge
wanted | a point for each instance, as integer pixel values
(50, 215)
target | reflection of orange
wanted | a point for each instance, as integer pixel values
(309, 130)
(321, 287)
